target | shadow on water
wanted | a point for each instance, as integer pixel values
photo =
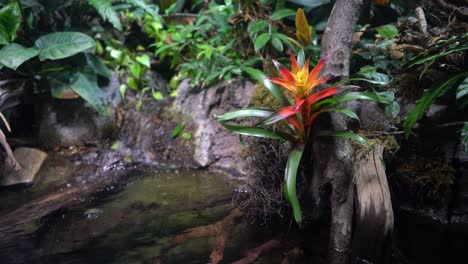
(135, 222)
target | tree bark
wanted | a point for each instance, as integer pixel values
(333, 157)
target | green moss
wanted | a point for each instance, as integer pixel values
(428, 179)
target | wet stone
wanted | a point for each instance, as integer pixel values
(30, 160)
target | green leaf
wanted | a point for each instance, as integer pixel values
(150, 9)
(61, 45)
(98, 66)
(392, 110)
(85, 85)
(186, 136)
(344, 111)
(282, 13)
(257, 26)
(59, 84)
(175, 133)
(277, 44)
(123, 90)
(158, 96)
(10, 20)
(261, 40)
(464, 136)
(263, 79)
(388, 31)
(343, 134)
(105, 10)
(309, 3)
(144, 60)
(462, 90)
(13, 55)
(257, 132)
(290, 175)
(426, 100)
(246, 112)
(417, 60)
(136, 70)
(362, 96)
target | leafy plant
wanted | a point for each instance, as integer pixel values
(428, 97)
(295, 119)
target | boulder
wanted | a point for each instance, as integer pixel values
(214, 146)
(30, 160)
(71, 122)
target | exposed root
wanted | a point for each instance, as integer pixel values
(253, 254)
(219, 229)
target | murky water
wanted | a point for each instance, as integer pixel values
(136, 222)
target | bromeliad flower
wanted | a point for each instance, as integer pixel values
(299, 80)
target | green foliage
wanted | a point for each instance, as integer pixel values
(61, 45)
(388, 31)
(20, 55)
(464, 136)
(290, 175)
(10, 19)
(426, 100)
(107, 12)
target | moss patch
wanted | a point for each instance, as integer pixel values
(427, 178)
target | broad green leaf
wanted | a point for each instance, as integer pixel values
(61, 45)
(144, 60)
(123, 90)
(277, 44)
(301, 58)
(105, 10)
(85, 85)
(388, 31)
(261, 40)
(246, 112)
(282, 13)
(13, 55)
(263, 79)
(177, 130)
(362, 96)
(10, 20)
(343, 134)
(257, 132)
(344, 111)
(257, 26)
(98, 66)
(426, 100)
(290, 175)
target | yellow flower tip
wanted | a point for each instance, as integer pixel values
(303, 29)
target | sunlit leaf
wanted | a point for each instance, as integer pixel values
(246, 112)
(177, 130)
(344, 111)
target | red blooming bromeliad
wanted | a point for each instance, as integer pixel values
(300, 82)
(297, 116)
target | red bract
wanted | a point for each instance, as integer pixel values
(300, 82)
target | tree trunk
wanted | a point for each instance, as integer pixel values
(333, 157)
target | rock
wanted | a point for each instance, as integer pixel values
(214, 145)
(71, 122)
(30, 160)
